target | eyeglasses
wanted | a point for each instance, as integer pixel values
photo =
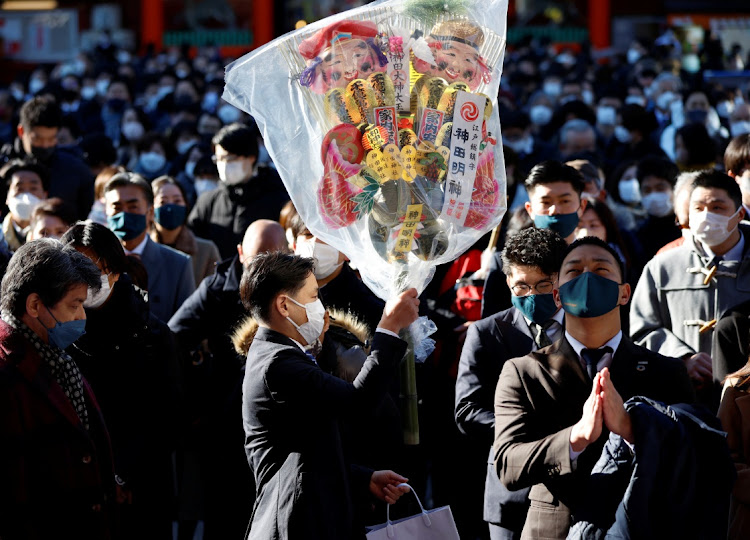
(543, 287)
(229, 158)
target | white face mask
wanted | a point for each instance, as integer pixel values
(540, 115)
(664, 101)
(22, 205)
(228, 114)
(635, 100)
(184, 146)
(553, 89)
(313, 328)
(710, 228)
(95, 300)
(633, 56)
(152, 161)
(606, 116)
(622, 135)
(326, 257)
(203, 185)
(739, 128)
(235, 172)
(133, 131)
(658, 204)
(630, 191)
(524, 145)
(190, 168)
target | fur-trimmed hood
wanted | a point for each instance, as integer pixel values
(244, 333)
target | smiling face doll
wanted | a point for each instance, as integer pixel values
(340, 53)
(455, 46)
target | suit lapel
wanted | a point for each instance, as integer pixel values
(520, 323)
(562, 363)
(150, 261)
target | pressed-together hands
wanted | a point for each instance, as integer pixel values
(604, 407)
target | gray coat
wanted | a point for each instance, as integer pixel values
(671, 301)
(170, 278)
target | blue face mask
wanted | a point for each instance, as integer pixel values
(562, 224)
(170, 216)
(127, 225)
(539, 308)
(63, 335)
(589, 295)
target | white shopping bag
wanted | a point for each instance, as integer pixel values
(434, 524)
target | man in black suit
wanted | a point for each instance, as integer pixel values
(555, 407)
(291, 407)
(531, 260)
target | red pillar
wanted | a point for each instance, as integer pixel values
(600, 23)
(262, 22)
(152, 22)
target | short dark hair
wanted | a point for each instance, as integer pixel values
(552, 171)
(700, 146)
(40, 112)
(98, 150)
(237, 139)
(26, 164)
(658, 167)
(737, 154)
(637, 118)
(50, 269)
(100, 240)
(166, 179)
(126, 179)
(270, 274)
(598, 242)
(54, 207)
(541, 248)
(719, 180)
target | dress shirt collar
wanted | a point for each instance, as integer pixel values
(734, 253)
(139, 248)
(613, 343)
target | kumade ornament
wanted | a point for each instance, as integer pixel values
(382, 122)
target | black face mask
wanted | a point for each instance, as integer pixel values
(116, 104)
(42, 153)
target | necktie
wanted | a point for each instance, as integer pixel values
(592, 357)
(540, 333)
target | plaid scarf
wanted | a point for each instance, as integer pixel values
(64, 369)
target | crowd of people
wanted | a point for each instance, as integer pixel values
(180, 356)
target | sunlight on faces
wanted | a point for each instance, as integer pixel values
(48, 227)
(591, 258)
(590, 225)
(526, 280)
(26, 182)
(554, 198)
(168, 194)
(128, 199)
(40, 136)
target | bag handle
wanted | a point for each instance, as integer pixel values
(425, 516)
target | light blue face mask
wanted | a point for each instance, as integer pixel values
(63, 335)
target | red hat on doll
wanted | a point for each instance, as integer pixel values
(324, 38)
